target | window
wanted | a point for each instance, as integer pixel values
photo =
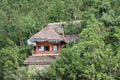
(43, 48)
(55, 47)
(46, 48)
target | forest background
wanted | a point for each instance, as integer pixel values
(95, 56)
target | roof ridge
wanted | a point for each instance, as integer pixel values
(64, 38)
(54, 32)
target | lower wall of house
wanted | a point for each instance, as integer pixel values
(33, 68)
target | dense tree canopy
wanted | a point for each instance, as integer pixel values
(95, 56)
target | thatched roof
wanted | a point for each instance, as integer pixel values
(47, 34)
(40, 60)
(70, 38)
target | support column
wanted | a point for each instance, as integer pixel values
(59, 47)
(51, 47)
(36, 51)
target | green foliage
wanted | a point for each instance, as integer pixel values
(11, 59)
(71, 29)
(8, 62)
(19, 74)
(90, 59)
(94, 57)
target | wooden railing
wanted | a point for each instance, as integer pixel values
(45, 53)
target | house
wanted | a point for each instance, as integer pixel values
(46, 46)
(47, 41)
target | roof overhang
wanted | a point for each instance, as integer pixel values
(40, 60)
(34, 40)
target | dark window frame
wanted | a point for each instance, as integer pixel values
(45, 48)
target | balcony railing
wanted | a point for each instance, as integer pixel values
(35, 53)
